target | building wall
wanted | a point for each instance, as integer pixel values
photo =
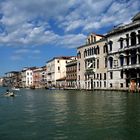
(87, 71)
(120, 48)
(80, 68)
(71, 74)
(29, 78)
(56, 69)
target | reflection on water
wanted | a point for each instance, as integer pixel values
(43, 114)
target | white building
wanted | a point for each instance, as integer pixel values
(124, 56)
(27, 77)
(56, 69)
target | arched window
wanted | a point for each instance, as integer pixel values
(85, 53)
(121, 42)
(111, 62)
(133, 57)
(121, 60)
(133, 38)
(105, 50)
(110, 45)
(98, 50)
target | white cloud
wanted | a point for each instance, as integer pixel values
(21, 51)
(27, 22)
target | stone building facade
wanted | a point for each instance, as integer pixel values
(92, 63)
(124, 56)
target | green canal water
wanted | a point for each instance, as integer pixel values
(69, 115)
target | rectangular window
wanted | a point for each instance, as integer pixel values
(105, 62)
(79, 66)
(94, 84)
(104, 83)
(111, 75)
(58, 69)
(97, 63)
(121, 74)
(97, 76)
(104, 76)
(97, 84)
(100, 84)
(79, 77)
(100, 76)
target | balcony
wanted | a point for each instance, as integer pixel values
(129, 48)
(134, 66)
(90, 57)
(90, 71)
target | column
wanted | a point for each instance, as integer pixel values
(129, 58)
(137, 53)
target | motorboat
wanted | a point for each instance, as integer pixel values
(14, 88)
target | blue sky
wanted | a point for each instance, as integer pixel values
(34, 31)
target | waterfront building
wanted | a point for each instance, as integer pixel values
(27, 77)
(92, 63)
(37, 77)
(124, 56)
(12, 79)
(71, 74)
(1, 81)
(43, 76)
(56, 69)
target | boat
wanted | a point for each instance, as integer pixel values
(9, 94)
(14, 88)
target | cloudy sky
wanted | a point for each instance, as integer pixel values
(34, 31)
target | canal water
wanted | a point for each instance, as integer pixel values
(69, 115)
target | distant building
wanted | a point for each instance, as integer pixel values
(71, 73)
(44, 76)
(56, 69)
(39, 77)
(27, 77)
(12, 79)
(124, 56)
(1, 81)
(92, 63)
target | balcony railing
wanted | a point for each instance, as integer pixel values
(90, 57)
(125, 48)
(90, 71)
(130, 66)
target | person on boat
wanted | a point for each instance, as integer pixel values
(7, 91)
